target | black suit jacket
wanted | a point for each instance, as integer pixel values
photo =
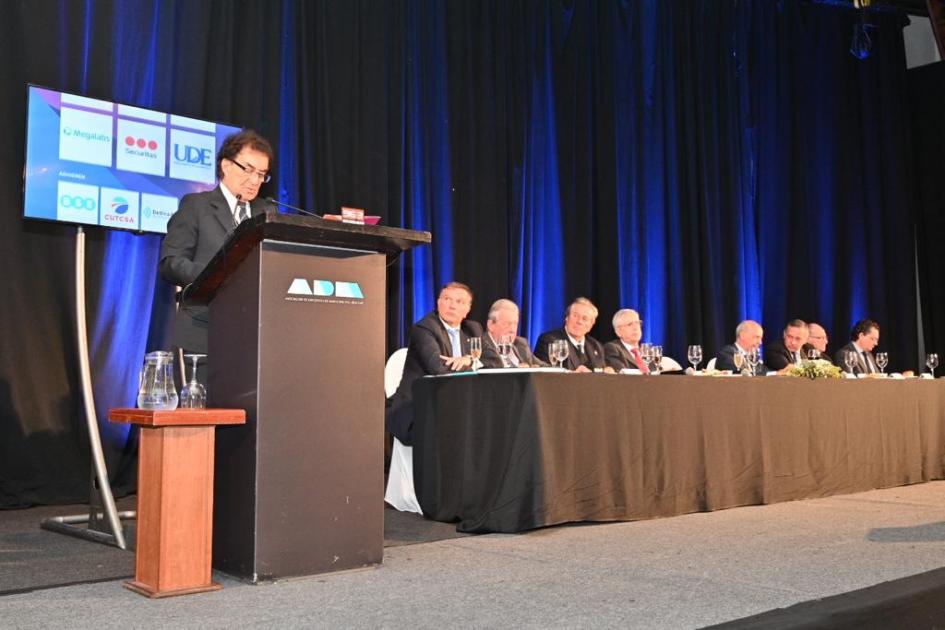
(859, 368)
(428, 341)
(593, 350)
(492, 359)
(778, 357)
(195, 233)
(726, 361)
(618, 357)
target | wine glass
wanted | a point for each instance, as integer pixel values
(553, 353)
(475, 351)
(931, 360)
(562, 351)
(850, 361)
(882, 360)
(505, 349)
(695, 356)
(754, 358)
(813, 354)
(657, 354)
(739, 360)
(193, 395)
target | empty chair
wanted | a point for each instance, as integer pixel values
(400, 492)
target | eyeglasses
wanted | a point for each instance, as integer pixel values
(251, 171)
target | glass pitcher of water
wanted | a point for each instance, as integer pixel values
(156, 387)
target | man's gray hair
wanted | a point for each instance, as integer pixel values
(743, 325)
(501, 304)
(619, 315)
(580, 300)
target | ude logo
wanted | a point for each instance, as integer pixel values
(193, 155)
(325, 289)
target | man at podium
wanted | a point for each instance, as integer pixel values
(204, 220)
(439, 343)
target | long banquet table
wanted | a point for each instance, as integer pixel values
(510, 452)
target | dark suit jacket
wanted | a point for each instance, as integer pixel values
(726, 361)
(428, 341)
(195, 233)
(492, 359)
(777, 356)
(593, 350)
(617, 356)
(859, 368)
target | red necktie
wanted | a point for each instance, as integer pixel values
(639, 361)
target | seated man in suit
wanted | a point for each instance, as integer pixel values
(502, 322)
(748, 335)
(439, 343)
(863, 338)
(585, 353)
(817, 340)
(789, 351)
(624, 352)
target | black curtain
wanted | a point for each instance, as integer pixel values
(700, 162)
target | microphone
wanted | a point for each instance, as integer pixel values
(296, 208)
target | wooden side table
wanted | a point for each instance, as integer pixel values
(175, 498)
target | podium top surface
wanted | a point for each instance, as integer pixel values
(177, 417)
(297, 229)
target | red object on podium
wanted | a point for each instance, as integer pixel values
(175, 498)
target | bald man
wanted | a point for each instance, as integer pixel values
(748, 335)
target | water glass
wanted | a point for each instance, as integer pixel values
(695, 356)
(882, 360)
(931, 360)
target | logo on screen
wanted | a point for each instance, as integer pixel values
(76, 203)
(120, 208)
(156, 210)
(141, 143)
(141, 147)
(193, 156)
(332, 291)
(85, 137)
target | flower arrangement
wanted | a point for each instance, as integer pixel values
(817, 368)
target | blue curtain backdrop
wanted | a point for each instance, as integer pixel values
(701, 162)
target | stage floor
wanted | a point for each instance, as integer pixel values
(682, 572)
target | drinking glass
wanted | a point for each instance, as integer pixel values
(193, 395)
(850, 361)
(562, 351)
(754, 358)
(553, 353)
(931, 360)
(505, 349)
(813, 354)
(739, 359)
(695, 356)
(882, 360)
(475, 351)
(657, 354)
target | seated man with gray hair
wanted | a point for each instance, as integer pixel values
(502, 322)
(624, 352)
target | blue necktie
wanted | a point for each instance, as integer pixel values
(454, 341)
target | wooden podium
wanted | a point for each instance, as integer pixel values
(297, 339)
(175, 498)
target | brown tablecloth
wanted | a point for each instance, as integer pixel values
(511, 452)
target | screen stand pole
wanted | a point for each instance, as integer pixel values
(101, 492)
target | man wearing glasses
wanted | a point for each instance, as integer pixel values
(863, 338)
(203, 220)
(624, 352)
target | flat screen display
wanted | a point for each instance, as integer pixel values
(94, 162)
